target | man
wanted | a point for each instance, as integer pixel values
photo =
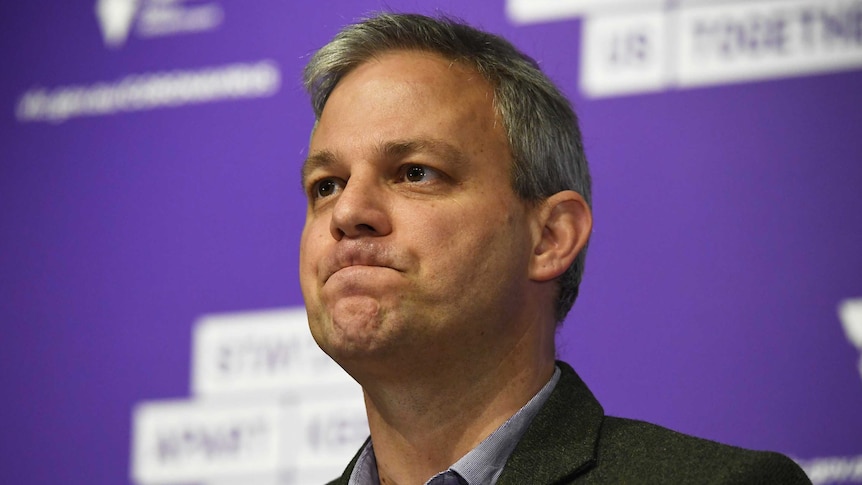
(448, 217)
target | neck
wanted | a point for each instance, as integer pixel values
(424, 421)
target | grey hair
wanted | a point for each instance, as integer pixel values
(541, 127)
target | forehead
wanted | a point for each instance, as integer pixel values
(418, 69)
(407, 95)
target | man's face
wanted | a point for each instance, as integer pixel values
(415, 245)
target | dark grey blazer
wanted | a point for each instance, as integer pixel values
(572, 441)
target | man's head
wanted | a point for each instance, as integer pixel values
(541, 128)
(430, 229)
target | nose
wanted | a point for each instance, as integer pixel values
(360, 210)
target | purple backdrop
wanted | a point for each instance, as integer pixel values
(728, 228)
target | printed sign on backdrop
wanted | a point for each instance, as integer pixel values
(702, 45)
(269, 350)
(269, 407)
(767, 39)
(624, 53)
(191, 441)
(651, 46)
(147, 91)
(527, 11)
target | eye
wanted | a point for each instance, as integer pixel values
(324, 188)
(415, 173)
(419, 173)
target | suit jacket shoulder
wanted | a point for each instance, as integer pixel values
(572, 441)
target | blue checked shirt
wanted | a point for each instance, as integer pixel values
(480, 466)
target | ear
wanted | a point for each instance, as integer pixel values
(565, 221)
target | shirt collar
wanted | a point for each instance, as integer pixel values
(484, 463)
(365, 471)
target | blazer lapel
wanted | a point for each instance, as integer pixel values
(561, 441)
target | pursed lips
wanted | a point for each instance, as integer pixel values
(353, 256)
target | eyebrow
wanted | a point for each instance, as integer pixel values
(315, 161)
(402, 148)
(390, 150)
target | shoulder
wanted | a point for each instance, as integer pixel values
(571, 440)
(631, 448)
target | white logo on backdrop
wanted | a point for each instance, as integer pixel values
(151, 18)
(115, 19)
(841, 469)
(850, 312)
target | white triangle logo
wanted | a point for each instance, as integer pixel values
(850, 312)
(115, 19)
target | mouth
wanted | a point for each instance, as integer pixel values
(354, 267)
(357, 257)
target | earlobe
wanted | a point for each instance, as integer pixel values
(566, 222)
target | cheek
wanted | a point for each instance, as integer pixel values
(310, 247)
(465, 243)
